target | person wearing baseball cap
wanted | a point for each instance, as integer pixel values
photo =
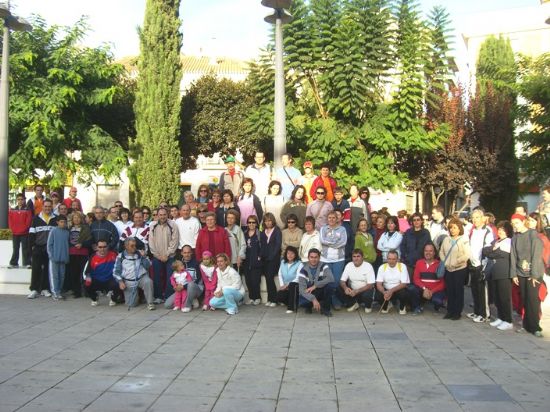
(307, 179)
(231, 179)
(72, 198)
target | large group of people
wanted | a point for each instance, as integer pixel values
(318, 245)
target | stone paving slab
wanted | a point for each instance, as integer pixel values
(68, 356)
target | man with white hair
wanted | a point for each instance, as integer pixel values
(481, 236)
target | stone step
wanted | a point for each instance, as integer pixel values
(14, 281)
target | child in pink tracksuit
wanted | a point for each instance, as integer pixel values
(209, 278)
(180, 277)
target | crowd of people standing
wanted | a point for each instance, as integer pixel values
(318, 246)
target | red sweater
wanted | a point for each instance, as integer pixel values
(425, 276)
(318, 182)
(216, 241)
(19, 221)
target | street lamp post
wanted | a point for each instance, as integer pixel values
(278, 18)
(11, 22)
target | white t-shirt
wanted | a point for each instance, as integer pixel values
(359, 277)
(188, 230)
(391, 277)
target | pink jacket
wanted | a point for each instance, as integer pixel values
(209, 284)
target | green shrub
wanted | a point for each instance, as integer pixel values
(5, 234)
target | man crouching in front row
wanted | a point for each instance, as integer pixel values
(316, 284)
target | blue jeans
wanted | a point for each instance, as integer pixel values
(228, 301)
(158, 268)
(337, 268)
(57, 277)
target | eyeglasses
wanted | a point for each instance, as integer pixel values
(290, 221)
(252, 223)
(203, 190)
(320, 193)
(417, 219)
(145, 213)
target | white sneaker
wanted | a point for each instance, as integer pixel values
(268, 303)
(176, 308)
(151, 306)
(33, 295)
(368, 310)
(112, 302)
(204, 307)
(496, 322)
(256, 302)
(186, 310)
(46, 293)
(388, 308)
(354, 307)
(95, 302)
(195, 303)
(505, 326)
(479, 319)
(272, 304)
(471, 315)
(289, 311)
(403, 311)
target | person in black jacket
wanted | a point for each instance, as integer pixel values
(499, 274)
(252, 264)
(102, 229)
(38, 240)
(271, 239)
(414, 240)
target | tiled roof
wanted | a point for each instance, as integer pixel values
(198, 64)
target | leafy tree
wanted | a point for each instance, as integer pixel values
(157, 104)
(534, 86)
(214, 114)
(70, 107)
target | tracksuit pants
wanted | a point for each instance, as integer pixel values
(39, 271)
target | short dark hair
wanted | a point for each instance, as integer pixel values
(20, 195)
(315, 251)
(61, 217)
(393, 252)
(357, 252)
(325, 165)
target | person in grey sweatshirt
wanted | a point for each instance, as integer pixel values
(132, 272)
(58, 254)
(316, 284)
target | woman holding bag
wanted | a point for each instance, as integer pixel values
(454, 254)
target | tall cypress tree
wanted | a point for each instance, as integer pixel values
(158, 104)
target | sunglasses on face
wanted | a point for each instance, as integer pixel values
(252, 223)
(320, 193)
(291, 221)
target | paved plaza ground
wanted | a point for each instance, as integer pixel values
(69, 356)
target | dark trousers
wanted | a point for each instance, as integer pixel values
(161, 269)
(438, 298)
(23, 242)
(402, 295)
(109, 285)
(364, 298)
(39, 272)
(74, 274)
(289, 296)
(252, 277)
(478, 284)
(271, 268)
(503, 298)
(323, 295)
(531, 304)
(454, 286)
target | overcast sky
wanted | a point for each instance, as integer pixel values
(232, 28)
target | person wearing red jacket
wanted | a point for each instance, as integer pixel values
(326, 181)
(72, 198)
(426, 286)
(213, 238)
(19, 222)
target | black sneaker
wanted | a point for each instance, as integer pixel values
(327, 313)
(447, 316)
